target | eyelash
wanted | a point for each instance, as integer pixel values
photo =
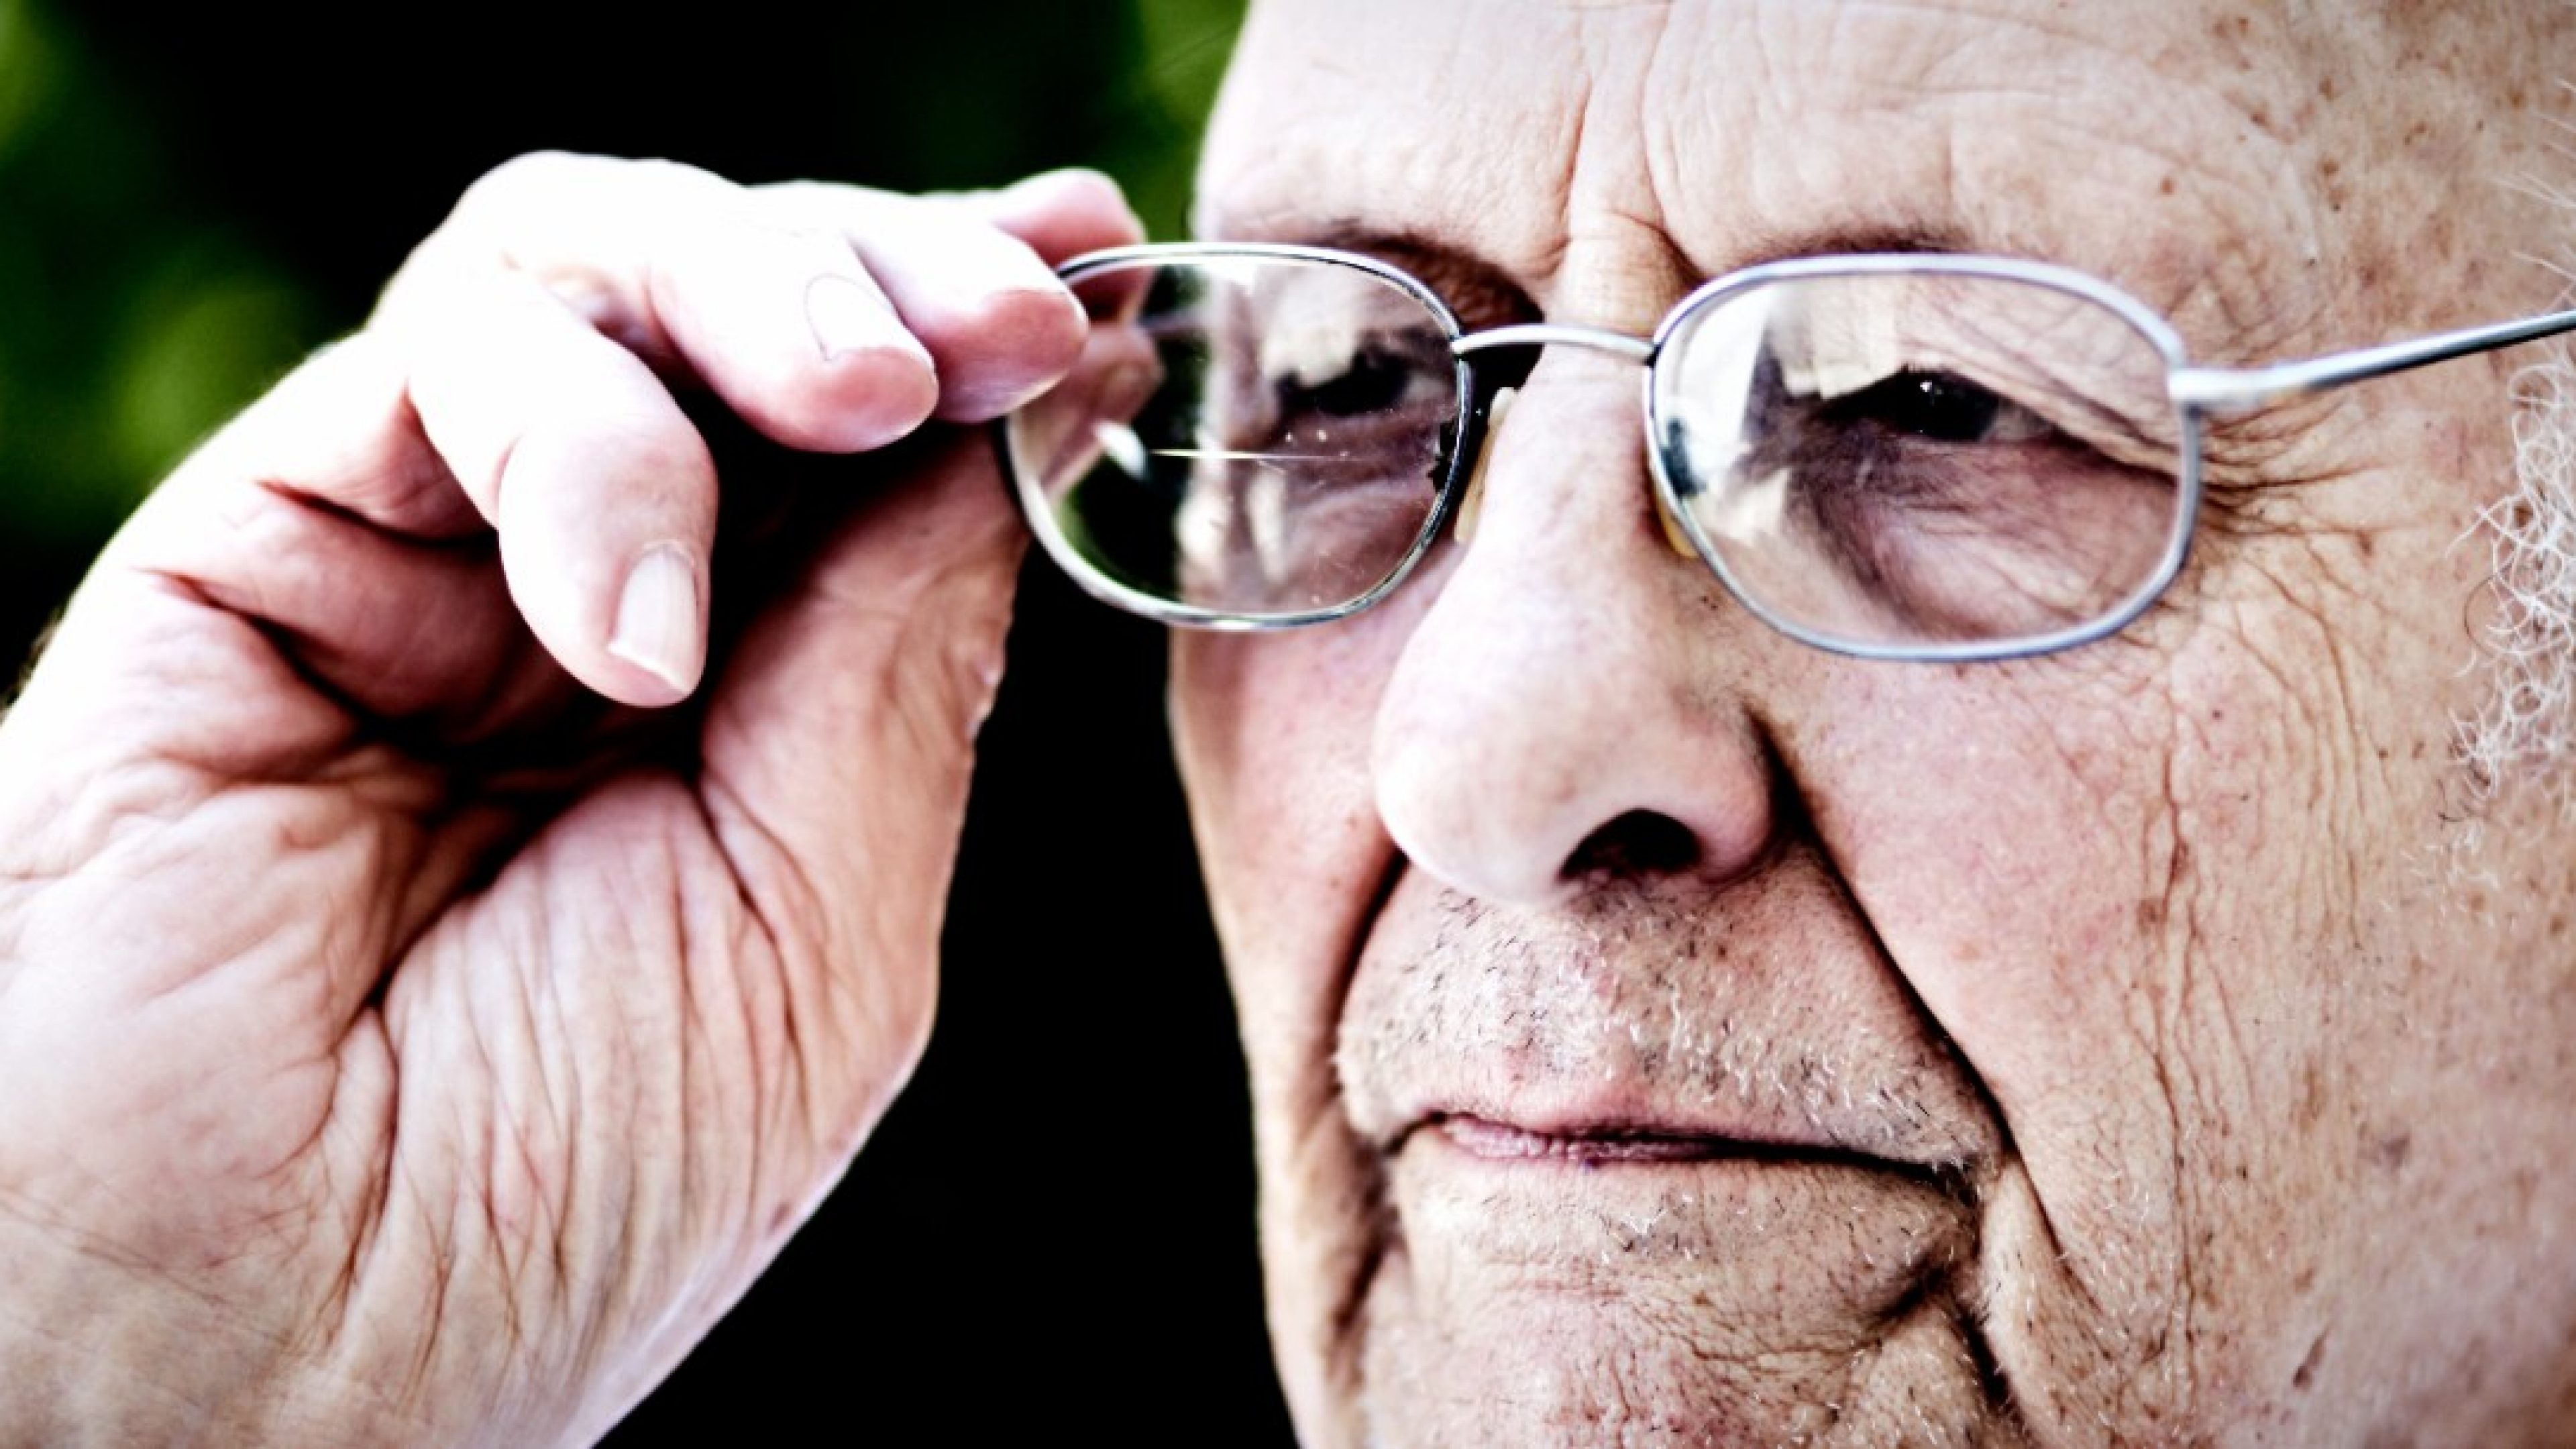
(1916, 404)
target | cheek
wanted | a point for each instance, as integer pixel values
(2039, 861)
(1273, 736)
(2093, 886)
(2022, 860)
(1273, 733)
(2155, 893)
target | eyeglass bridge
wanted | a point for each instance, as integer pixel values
(1542, 334)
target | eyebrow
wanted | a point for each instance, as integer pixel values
(1478, 289)
(1850, 241)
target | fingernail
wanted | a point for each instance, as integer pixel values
(962, 402)
(847, 318)
(661, 620)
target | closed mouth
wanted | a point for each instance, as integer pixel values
(1615, 1144)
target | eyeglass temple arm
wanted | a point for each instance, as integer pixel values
(2243, 389)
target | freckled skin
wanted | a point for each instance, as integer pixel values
(2243, 1080)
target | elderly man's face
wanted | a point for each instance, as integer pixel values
(1663, 1032)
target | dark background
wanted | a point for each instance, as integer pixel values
(190, 203)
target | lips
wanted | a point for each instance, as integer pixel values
(1605, 1145)
(1640, 1117)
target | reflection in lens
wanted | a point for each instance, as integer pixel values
(1251, 437)
(1921, 458)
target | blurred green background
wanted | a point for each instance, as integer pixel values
(188, 205)
(192, 200)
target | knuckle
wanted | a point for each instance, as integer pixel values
(675, 177)
(810, 201)
(539, 178)
(1082, 187)
(508, 186)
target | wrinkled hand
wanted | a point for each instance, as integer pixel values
(409, 1029)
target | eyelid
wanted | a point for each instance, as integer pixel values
(2064, 406)
(1481, 294)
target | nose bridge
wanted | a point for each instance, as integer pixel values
(1573, 448)
(1537, 338)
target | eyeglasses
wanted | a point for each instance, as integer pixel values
(1929, 457)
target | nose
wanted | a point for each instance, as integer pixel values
(1575, 700)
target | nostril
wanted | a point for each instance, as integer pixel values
(1640, 842)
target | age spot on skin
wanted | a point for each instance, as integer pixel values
(2389, 1151)
(2307, 1371)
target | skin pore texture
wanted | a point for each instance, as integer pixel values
(1662, 1033)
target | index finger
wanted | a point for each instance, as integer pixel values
(517, 311)
(830, 317)
(973, 275)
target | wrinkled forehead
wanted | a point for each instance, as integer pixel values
(2226, 163)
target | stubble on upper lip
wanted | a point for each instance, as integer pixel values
(1775, 1024)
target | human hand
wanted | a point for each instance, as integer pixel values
(411, 1028)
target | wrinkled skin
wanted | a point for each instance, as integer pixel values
(2116, 1046)
(411, 1031)
(414, 1030)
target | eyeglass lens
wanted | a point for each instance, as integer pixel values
(1874, 459)
(1904, 459)
(1254, 438)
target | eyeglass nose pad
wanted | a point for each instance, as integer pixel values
(1468, 505)
(1674, 538)
(1495, 412)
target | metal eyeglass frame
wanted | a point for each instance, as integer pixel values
(2195, 392)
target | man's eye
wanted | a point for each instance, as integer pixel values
(1941, 407)
(1375, 382)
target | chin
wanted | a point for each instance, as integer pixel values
(1613, 1288)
